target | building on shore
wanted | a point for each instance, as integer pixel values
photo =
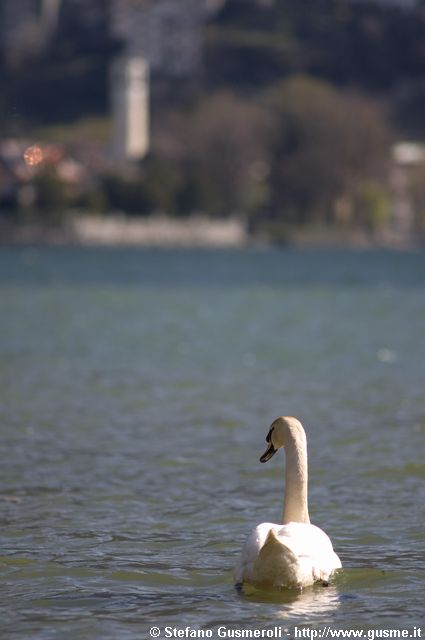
(407, 158)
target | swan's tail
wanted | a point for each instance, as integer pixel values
(277, 563)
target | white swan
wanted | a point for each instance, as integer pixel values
(293, 554)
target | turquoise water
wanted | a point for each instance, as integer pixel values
(136, 390)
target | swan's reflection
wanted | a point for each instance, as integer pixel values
(310, 603)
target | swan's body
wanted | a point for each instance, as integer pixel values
(294, 553)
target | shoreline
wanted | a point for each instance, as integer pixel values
(196, 231)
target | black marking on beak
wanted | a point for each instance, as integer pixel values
(269, 435)
(269, 453)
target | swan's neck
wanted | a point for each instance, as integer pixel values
(295, 507)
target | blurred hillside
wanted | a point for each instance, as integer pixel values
(282, 111)
(374, 47)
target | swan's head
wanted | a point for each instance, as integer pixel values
(278, 434)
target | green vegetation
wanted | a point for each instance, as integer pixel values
(96, 129)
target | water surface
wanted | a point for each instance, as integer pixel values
(136, 390)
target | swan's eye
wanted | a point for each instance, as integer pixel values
(269, 435)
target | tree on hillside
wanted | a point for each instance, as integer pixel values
(219, 149)
(326, 145)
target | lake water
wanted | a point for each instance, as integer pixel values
(136, 390)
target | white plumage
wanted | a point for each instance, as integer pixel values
(296, 553)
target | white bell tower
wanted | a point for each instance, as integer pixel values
(130, 108)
